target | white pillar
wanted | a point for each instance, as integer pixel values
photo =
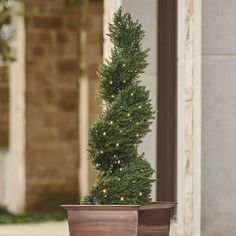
(14, 180)
(189, 119)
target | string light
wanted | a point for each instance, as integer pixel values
(111, 82)
(111, 122)
(137, 135)
(101, 151)
(114, 156)
(112, 96)
(121, 107)
(123, 65)
(117, 144)
(128, 114)
(122, 199)
(104, 133)
(118, 162)
(140, 107)
(131, 94)
(133, 182)
(140, 194)
(121, 131)
(104, 190)
(141, 170)
(124, 81)
(121, 169)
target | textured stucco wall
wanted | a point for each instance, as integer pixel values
(218, 118)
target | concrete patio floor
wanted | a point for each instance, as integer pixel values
(45, 229)
(41, 229)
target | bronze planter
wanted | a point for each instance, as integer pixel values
(119, 220)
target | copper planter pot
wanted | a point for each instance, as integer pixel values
(120, 220)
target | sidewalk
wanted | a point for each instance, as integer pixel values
(41, 229)
(44, 229)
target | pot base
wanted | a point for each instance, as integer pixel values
(119, 220)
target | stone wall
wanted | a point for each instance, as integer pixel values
(52, 63)
(94, 54)
(4, 107)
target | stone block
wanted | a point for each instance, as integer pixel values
(67, 65)
(4, 79)
(38, 51)
(96, 7)
(68, 135)
(62, 38)
(4, 137)
(4, 97)
(48, 22)
(73, 22)
(68, 100)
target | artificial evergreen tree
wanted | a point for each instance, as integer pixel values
(124, 175)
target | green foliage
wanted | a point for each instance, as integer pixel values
(124, 175)
(6, 31)
(127, 61)
(31, 217)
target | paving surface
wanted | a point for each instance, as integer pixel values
(45, 229)
(41, 229)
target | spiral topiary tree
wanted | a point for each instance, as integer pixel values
(124, 176)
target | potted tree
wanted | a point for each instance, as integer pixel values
(119, 202)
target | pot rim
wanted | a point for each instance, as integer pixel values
(151, 205)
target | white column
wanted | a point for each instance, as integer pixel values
(83, 105)
(189, 119)
(14, 181)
